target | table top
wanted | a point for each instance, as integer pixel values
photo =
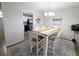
(46, 30)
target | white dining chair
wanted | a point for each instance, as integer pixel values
(36, 41)
(53, 39)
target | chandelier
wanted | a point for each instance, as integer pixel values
(49, 13)
(1, 14)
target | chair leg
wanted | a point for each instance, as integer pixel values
(43, 48)
(31, 49)
(54, 49)
(30, 41)
(54, 52)
(37, 50)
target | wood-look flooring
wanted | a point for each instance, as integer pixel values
(66, 45)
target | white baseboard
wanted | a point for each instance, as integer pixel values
(13, 43)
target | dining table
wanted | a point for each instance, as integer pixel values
(46, 31)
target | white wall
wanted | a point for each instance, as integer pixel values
(35, 24)
(12, 18)
(13, 25)
(69, 16)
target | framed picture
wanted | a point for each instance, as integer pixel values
(37, 20)
(57, 21)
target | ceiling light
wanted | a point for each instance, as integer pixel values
(46, 14)
(0, 12)
(50, 13)
(1, 15)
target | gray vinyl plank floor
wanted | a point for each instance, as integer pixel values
(63, 48)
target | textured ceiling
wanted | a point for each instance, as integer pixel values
(45, 6)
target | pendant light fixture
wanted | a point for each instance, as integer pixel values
(49, 13)
(45, 14)
(1, 14)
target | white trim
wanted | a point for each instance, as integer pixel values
(13, 43)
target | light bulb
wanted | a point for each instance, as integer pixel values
(0, 12)
(51, 13)
(1, 15)
(46, 14)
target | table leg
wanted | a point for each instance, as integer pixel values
(46, 46)
(30, 41)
